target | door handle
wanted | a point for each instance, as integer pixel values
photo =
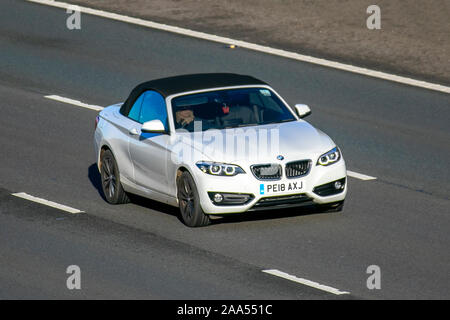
(133, 132)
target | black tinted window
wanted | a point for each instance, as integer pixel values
(229, 109)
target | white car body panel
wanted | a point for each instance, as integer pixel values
(148, 166)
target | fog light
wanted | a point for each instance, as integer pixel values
(330, 188)
(218, 198)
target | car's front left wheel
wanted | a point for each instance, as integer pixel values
(189, 202)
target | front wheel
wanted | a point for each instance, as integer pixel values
(189, 202)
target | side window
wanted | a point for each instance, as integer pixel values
(135, 110)
(153, 108)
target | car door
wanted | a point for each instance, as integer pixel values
(148, 151)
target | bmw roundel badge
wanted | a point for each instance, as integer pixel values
(280, 157)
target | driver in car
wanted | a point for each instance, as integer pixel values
(184, 117)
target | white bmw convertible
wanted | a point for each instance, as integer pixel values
(216, 144)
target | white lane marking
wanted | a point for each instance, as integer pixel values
(305, 282)
(251, 46)
(98, 108)
(52, 204)
(74, 102)
(360, 175)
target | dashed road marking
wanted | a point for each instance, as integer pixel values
(48, 203)
(305, 282)
(360, 176)
(99, 108)
(74, 102)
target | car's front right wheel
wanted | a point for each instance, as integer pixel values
(189, 202)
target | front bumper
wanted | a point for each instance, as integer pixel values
(260, 195)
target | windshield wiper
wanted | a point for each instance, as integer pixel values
(241, 125)
(275, 122)
(285, 120)
(258, 124)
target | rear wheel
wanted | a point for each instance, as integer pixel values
(189, 202)
(112, 188)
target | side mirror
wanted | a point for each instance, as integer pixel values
(153, 126)
(302, 110)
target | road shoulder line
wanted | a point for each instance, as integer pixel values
(248, 45)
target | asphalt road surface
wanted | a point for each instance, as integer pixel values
(399, 222)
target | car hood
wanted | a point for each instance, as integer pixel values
(289, 141)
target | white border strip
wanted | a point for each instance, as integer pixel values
(305, 282)
(74, 102)
(52, 204)
(247, 45)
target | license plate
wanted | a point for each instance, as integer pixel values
(289, 187)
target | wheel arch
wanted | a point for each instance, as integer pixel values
(179, 172)
(100, 154)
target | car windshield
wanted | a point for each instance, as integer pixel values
(231, 108)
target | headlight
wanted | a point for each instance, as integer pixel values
(219, 169)
(330, 157)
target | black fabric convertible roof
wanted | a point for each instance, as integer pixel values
(188, 82)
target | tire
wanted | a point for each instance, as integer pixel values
(189, 202)
(110, 178)
(331, 207)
